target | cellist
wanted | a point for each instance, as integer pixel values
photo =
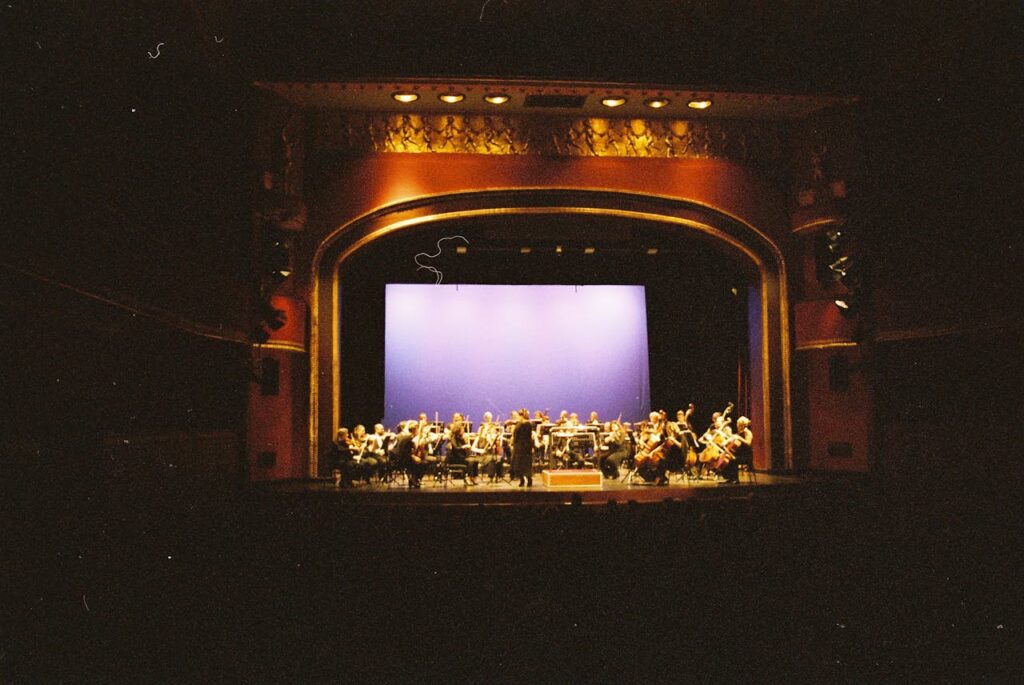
(650, 456)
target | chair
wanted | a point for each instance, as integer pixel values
(449, 471)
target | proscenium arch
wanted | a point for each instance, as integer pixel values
(737, 236)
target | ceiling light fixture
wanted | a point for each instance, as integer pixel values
(451, 98)
(656, 103)
(698, 104)
(652, 250)
(406, 97)
(525, 250)
(461, 249)
(496, 98)
(613, 101)
(588, 250)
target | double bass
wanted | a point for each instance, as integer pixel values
(715, 445)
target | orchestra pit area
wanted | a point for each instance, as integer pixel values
(828, 580)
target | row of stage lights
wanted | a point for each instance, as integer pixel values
(406, 97)
(559, 250)
(841, 269)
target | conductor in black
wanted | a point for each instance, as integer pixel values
(522, 449)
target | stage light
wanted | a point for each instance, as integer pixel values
(656, 103)
(698, 104)
(276, 257)
(652, 250)
(588, 250)
(497, 98)
(558, 250)
(451, 98)
(848, 305)
(613, 101)
(461, 249)
(405, 97)
(840, 266)
(525, 250)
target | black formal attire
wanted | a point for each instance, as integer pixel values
(343, 462)
(402, 455)
(522, 451)
(613, 458)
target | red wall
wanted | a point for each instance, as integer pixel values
(837, 416)
(279, 423)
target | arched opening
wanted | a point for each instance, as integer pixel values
(765, 378)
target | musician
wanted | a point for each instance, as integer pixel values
(614, 450)
(458, 449)
(377, 447)
(631, 440)
(687, 438)
(563, 418)
(425, 444)
(714, 439)
(593, 420)
(402, 454)
(574, 419)
(522, 450)
(343, 466)
(488, 446)
(368, 463)
(683, 418)
(741, 447)
(651, 449)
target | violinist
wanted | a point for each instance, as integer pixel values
(458, 449)
(614, 450)
(343, 464)
(425, 444)
(402, 453)
(377, 445)
(362, 452)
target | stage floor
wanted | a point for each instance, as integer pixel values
(509, 493)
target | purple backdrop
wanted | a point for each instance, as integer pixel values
(477, 348)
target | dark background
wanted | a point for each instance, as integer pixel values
(911, 576)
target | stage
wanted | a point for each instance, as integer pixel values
(505, 493)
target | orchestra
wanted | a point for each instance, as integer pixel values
(649, 452)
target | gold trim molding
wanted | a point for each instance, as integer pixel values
(747, 142)
(391, 224)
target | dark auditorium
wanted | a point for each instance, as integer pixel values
(500, 341)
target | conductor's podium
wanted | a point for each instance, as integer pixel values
(572, 478)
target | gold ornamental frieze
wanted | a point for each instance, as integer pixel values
(748, 142)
